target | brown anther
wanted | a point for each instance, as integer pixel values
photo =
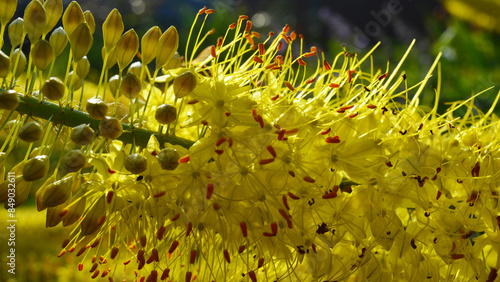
(243, 226)
(332, 140)
(311, 80)
(291, 173)
(334, 85)
(326, 65)
(309, 179)
(383, 76)
(271, 150)
(226, 256)
(350, 73)
(241, 249)
(212, 51)
(301, 62)
(232, 26)
(371, 106)
(202, 10)
(209, 11)
(258, 60)
(220, 40)
(160, 232)
(173, 246)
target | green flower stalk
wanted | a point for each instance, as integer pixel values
(247, 162)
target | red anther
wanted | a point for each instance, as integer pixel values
(279, 59)
(311, 80)
(61, 253)
(252, 276)
(353, 115)
(309, 179)
(219, 152)
(284, 214)
(291, 131)
(326, 131)
(310, 54)
(457, 256)
(243, 226)
(192, 259)
(330, 195)
(210, 190)
(332, 140)
(70, 250)
(274, 98)
(140, 255)
(326, 65)
(248, 27)
(101, 220)
(257, 60)
(271, 150)
(314, 49)
(220, 41)
(202, 10)
(267, 234)
(340, 111)
(468, 235)
(242, 17)
(281, 134)
(383, 76)
(232, 26)
(388, 163)
(258, 83)
(94, 267)
(293, 35)
(153, 276)
(150, 259)
(420, 126)
(256, 34)
(473, 197)
(126, 262)
(347, 107)
(143, 278)
(165, 273)
(475, 170)
(301, 36)
(160, 194)
(111, 171)
(220, 141)
(215, 206)
(277, 68)
(160, 232)
(438, 195)
(313, 246)
(286, 38)
(266, 161)
(153, 153)
(226, 256)
(192, 102)
(350, 73)
(230, 142)
(143, 240)
(184, 159)
(371, 106)
(80, 266)
(173, 246)
(285, 202)
(209, 11)
(334, 85)
(286, 29)
(254, 112)
(293, 196)
(114, 252)
(241, 249)
(189, 228)
(176, 217)
(270, 66)
(260, 120)
(301, 62)
(96, 273)
(81, 251)
(65, 243)
(188, 276)
(212, 51)
(493, 275)
(453, 247)
(260, 263)
(289, 85)
(271, 33)
(274, 228)
(280, 45)
(63, 212)
(291, 173)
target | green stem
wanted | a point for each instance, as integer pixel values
(71, 118)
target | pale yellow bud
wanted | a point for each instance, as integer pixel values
(130, 86)
(9, 99)
(136, 69)
(112, 30)
(83, 67)
(34, 20)
(89, 19)
(53, 89)
(127, 48)
(82, 135)
(112, 58)
(168, 158)
(113, 83)
(36, 168)
(8, 8)
(149, 44)
(136, 163)
(81, 41)
(96, 108)
(167, 46)
(72, 17)
(4, 65)
(42, 54)
(16, 31)
(75, 81)
(111, 128)
(184, 84)
(58, 40)
(166, 114)
(18, 62)
(95, 217)
(74, 160)
(57, 192)
(53, 10)
(31, 132)
(75, 211)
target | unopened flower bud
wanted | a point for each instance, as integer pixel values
(74, 80)
(18, 62)
(53, 10)
(10, 124)
(75, 211)
(7, 11)
(42, 54)
(111, 128)
(89, 19)
(74, 161)
(127, 48)
(57, 192)
(166, 114)
(31, 132)
(113, 83)
(112, 29)
(168, 158)
(72, 17)
(112, 58)
(34, 20)
(81, 41)
(53, 89)
(184, 84)
(149, 43)
(96, 216)
(36, 168)
(167, 46)
(96, 108)
(174, 63)
(9, 99)
(82, 134)
(16, 30)
(130, 86)
(4, 65)
(58, 40)
(136, 163)
(83, 67)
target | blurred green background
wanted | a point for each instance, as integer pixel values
(466, 33)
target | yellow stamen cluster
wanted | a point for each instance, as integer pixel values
(241, 162)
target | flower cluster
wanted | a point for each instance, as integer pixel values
(244, 161)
